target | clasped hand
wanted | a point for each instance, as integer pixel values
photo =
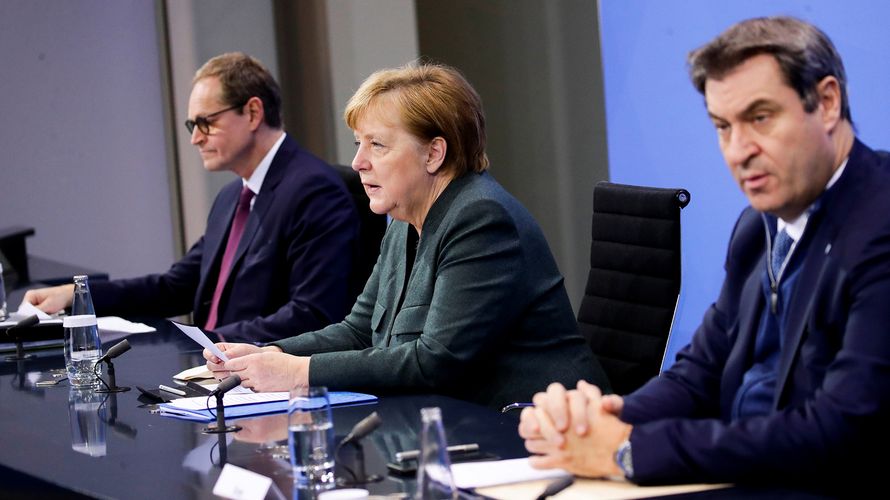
(577, 430)
(262, 369)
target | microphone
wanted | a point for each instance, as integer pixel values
(25, 323)
(366, 426)
(556, 486)
(19, 350)
(115, 351)
(226, 385)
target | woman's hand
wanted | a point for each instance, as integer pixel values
(232, 351)
(266, 371)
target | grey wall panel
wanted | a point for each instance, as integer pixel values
(82, 140)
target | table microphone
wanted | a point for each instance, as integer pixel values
(19, 350)
(225, 386)
(113, 352)
(365, 426)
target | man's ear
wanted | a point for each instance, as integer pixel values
(436, 150)
(829, 92)
(255, 112)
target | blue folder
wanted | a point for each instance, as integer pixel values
(337, 398)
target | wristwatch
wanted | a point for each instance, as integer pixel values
(624, 459)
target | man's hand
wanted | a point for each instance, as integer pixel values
(52, 299)
(574, 430)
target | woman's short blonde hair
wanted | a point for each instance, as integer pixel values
(433, 100)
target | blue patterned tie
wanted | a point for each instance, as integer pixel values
(781, 246)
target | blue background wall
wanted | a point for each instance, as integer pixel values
(659, 133)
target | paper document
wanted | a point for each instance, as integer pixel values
(198, 336)
(114, 324)
(197, 373)
(482, 474)
(25, 310)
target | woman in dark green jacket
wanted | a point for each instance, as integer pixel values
(466, 299)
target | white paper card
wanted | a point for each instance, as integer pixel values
(231, 398)
(482, 474)
(241, 484)
(198, 336)
(116, 324)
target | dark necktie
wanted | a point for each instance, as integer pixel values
(781, 246)
(237, 229)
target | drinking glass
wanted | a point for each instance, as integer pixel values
(87, 416)
(311, 437)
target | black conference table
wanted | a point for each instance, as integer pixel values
(132, 453)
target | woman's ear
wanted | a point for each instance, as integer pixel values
(436, 154)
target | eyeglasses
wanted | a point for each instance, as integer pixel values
(203, 122)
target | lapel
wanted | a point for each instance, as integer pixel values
(751, 304)
(215, 237)
(394, 280)
(821, 233)
(262, 202)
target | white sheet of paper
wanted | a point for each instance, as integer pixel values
(120, 325)
(482, 474)
(27, 309)
(198, 336)
(241, 484)
(238, 398)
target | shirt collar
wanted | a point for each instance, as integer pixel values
(795, 227)
(255, 182)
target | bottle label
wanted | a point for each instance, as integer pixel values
(79, 320)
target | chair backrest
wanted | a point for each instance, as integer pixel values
(634, 280)
(372, 227)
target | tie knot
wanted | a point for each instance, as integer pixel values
(246, 196)
(781, 247)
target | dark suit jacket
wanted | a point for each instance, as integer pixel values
(832, 399)
(290, 273)
(485, 317)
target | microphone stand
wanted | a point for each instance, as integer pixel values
(221, 427)
(115, 351)
(359, 431)
(112, 386)
(359, 476)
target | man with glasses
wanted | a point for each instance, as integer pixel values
(280, 243)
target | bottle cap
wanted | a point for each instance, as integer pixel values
(79, 321)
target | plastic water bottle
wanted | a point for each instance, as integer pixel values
(434, 479)
(82, 345)
(3, 312)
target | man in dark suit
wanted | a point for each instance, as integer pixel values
(787, 380)
(276, 257)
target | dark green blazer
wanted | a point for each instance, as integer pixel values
(485, 316)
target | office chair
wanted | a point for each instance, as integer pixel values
(371, 229)
(634, 281)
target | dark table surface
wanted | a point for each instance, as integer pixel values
(133, 453)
